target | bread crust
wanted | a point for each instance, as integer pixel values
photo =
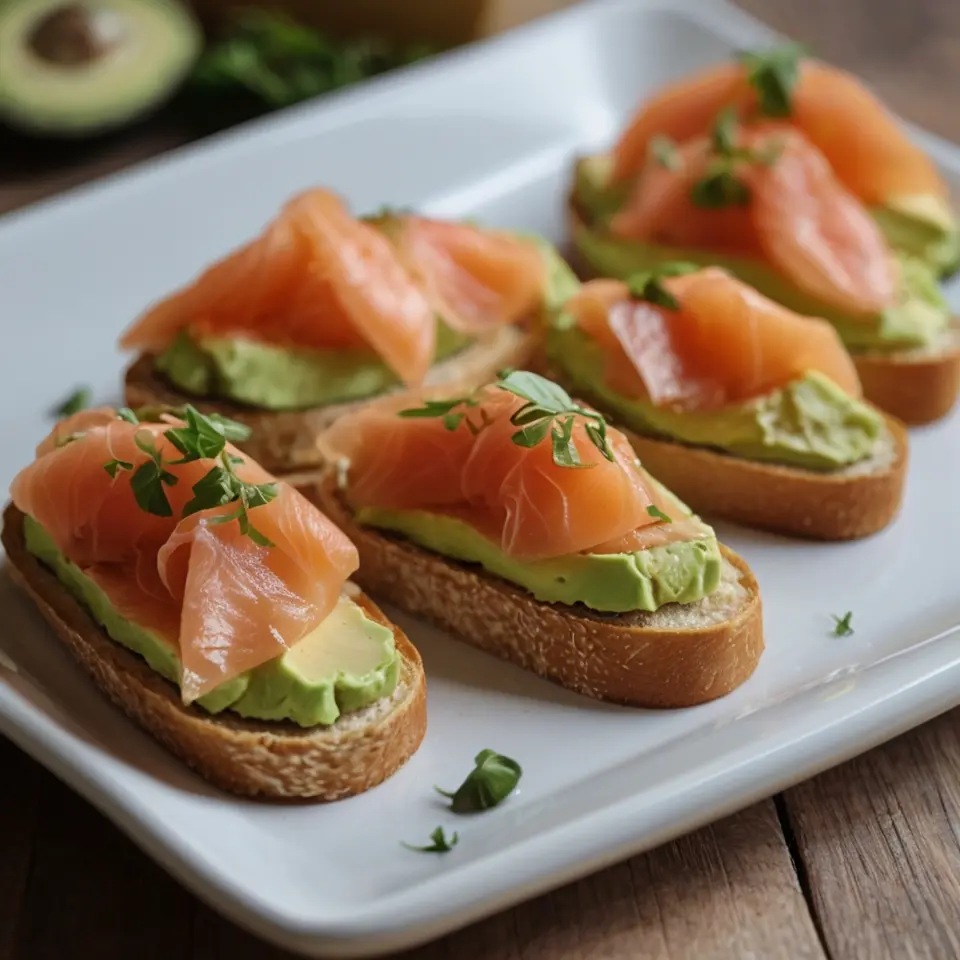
(263, 760)
(842, 505)
(284, 441)
(620, 658)
(915, 386)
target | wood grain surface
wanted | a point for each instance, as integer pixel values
(861, 862)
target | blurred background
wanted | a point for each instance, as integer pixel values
(90, 86)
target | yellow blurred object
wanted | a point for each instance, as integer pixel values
(444, 22)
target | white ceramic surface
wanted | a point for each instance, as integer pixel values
(490, 132)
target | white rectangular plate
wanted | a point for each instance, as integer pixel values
(488, 132)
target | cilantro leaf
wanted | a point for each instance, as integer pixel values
(533, 433)
(113, 467)
(125, 413)
(439, 844)
(655, 512)
(565, 452)
(719, 188)
(648, 284)
(77, 401)
(773, 74)
(148, 483)
(842, 626)
(493, 778)
(665, 152)
(538, 390)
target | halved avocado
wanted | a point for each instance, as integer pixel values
(78, 68)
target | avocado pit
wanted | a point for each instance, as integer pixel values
(77, 34)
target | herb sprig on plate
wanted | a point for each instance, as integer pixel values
(493, 778)
(202, 437)
(549, 411)
(841, 625)
(440, 843)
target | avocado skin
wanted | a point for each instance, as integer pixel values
(70, 102)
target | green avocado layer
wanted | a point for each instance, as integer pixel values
(920, 319)
(348, 662)
(682, 572)
(810, 423)
(923, 227)
(288, 378)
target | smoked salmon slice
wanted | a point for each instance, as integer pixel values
(723, 344)
(475, 279)
(223, 600)
(863, 143)
(795, 215)
(500, 471)
(319, 278)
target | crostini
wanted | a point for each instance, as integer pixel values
(212, 604)
(517, 519)
(324, 311)
(747, 411)
(790, 174)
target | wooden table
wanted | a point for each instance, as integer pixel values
(861, 862)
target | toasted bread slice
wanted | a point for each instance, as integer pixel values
(842, 504)
(284, 441)
(266, 760)
(916, 386)
(678, 656)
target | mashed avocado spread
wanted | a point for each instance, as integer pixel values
(348, 662)
(287, 378)
(920, 319)
(681, 572)
(809, 423)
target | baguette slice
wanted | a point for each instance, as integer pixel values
(845, 504)
(284, 441)
(681, 655)
(915, 386)
(265, 760)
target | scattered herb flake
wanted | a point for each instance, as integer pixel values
(655, 512)
(77, 401)
(773, 74)
(665, 152)
(493, 778)
(125, 413)
(440, 843)
(113, 467)
(841, 625)
(648, 284)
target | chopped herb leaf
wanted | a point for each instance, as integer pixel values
(648, 284)
(842, 626)
(147, 484)
(433, 408)
(719, 188)
(77, 401)
(493, 778)
(113, 467)
(774, 75)
(657, 513)
(665, 152)
(125, 413)
(724, 135)
(565, 452)
(440, 843)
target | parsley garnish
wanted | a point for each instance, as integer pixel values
(204, 437)
(490, 782)
(549, 411)
(841, 625)
(665, 152)
(774, 74)
(720, 186)
(655, 512)
(77, 401)
(648, 284)
(440, 843)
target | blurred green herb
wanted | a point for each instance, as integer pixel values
(266, 61)
(77, 401)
